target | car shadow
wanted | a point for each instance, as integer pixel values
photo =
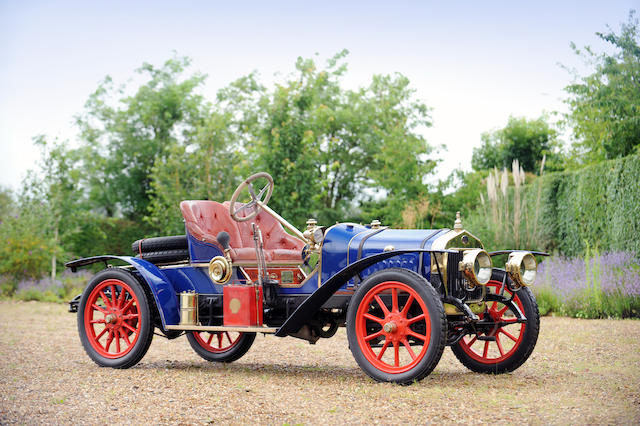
(256, 369)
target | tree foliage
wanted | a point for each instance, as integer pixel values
(124, 139)
(326, 145)
(604, 107)
(521, 139)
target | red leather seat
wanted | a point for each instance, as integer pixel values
(205, 219)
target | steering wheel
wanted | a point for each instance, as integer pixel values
(252, 208)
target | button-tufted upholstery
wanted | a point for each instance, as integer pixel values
(205, 219)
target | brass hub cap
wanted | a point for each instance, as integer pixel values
(390, 327)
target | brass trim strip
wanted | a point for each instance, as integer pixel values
(247, 329)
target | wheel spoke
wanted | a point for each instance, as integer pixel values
(97, 321)
(113, 296)
(486, 349)
(262, 191)
(374, 318)
(416, 335)
(117, 336)
(133, 330)
(509, 320)
(226, 333)
(415, 319)
(509, 335)
(210, 338)
(472, 341)
(252, 192)
(93, 305)
(405, 310)
(394, 299)
(105, 300)
(130, 316)
(109, 340)
(503, 310)
(384, 348)
(101, 333)
(248, 205)
(126, 338)
(499, 344)
(396, 354)
(382, 305)
(373, 336)
(409, 349)
(219, 340)
(121, 297)
(126, 307)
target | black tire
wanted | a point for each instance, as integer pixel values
(166, 256)
(426, 304)
(518, 350)
(128, 304)
(154, 244)
(238, 345)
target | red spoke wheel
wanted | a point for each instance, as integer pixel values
(114, 319)
(220, 346)
(503, 348)
(396, 326)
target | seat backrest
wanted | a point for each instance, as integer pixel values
(273, 234)
(204, 219)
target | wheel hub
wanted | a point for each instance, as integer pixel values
(390, 327)
(111, 318)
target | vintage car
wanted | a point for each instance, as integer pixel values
(402, 294)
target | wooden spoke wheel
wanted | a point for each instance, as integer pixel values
(220, 346)
(396, 326)
(114, 319)
(507, 346)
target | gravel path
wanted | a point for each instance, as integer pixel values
(581, 372)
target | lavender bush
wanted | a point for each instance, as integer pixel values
(62, 289)
(597, 286)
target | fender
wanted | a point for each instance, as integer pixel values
(310, 306)
(165, 296)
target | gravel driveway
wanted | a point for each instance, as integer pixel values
(582, 371)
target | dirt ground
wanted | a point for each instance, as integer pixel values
(581, 372)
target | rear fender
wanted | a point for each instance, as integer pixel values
(163, 293)
(310, 306)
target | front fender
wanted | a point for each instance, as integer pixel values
(310, 306)
(164, 295)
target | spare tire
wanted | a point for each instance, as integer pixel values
(147, 245)
(165, 256)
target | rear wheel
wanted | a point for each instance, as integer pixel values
(396, 326)
(114, 319)
(220, 346)
(502, 348)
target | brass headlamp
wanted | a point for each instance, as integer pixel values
(522, 267)
(476, 266)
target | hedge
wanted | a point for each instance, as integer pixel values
(598, 205)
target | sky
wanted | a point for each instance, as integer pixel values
(473, 63)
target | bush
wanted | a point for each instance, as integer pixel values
(595, 286)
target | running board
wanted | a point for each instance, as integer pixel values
(247, 329)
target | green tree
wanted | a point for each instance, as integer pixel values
(124, 139)
(521, 139)
(325, 145)
(208, 168)
(604, 107)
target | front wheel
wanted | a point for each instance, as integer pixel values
(220, 346)
(396, 326)
(503, 348)
(114, 319)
